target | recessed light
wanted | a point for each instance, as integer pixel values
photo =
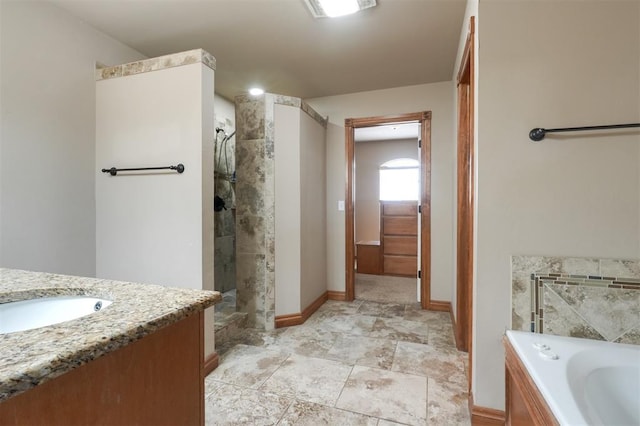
(256, 91)
(335, 8)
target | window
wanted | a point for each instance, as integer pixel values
(400, 180)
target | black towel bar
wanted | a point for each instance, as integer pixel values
(539, 133)
(114, 171)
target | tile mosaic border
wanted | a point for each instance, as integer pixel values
(538, 282)
(522, 266)
(155, 64)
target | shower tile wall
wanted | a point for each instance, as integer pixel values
(590, 298)
(255, 201)
(255, 204)
(225, 222)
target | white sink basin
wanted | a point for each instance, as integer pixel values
(46, 311)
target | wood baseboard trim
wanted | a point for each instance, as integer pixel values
(455, 327)
(337, 295)
(288, 320)
(309, 310)
(439, 305)
(300, 318)
(211, 363)
(484, 416)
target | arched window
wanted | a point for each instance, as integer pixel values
(400, 180)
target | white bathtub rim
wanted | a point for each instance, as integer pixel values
(550, 375)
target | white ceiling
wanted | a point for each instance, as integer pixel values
(388, 132)
(278, 45)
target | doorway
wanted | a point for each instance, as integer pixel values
(424, 242)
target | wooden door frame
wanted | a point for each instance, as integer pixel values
(465, 199)
(424, 118)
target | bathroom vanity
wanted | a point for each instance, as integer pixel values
(137, 361)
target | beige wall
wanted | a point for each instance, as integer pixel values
(300, 210)
(551, 64)
(369, 157)
(287, 206)
(435, 97)
(157, 227)
(313, 202)
(47, 136)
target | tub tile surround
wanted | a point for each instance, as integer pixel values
(255, 203)
(159, 63)
(579, 297)
(32, 357)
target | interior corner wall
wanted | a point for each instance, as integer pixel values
(156, 227)
(435, 97)
(288, 209)
(574, 195)
(47, 136)
(369, 156)
(300, 211)
(313, 198)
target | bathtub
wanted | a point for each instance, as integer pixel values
(45, 311)
(584, 382)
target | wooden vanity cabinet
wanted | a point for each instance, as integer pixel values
(157, 380)
(524, 403)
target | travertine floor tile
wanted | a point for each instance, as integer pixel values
(441, 336)
(384, 310)
(248, 366)
(386, 394)
(365, 351)
(336, 307)
(344, 323)
(445, 365)
(399, 329)
(233, 405)
(302, 413)
(383, 422)
(447, 406)
(309, 379)
(350, 363)
(414, 312)
(309, 341)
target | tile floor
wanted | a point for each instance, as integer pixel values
(351, 363)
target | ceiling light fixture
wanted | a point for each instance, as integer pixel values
(256, 91)
(335, 8)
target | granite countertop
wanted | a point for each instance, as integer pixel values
(32, 357)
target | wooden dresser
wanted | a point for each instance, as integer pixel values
(399, 237)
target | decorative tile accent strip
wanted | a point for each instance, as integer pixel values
(154, 64)
(589, 298)
(541, 281)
